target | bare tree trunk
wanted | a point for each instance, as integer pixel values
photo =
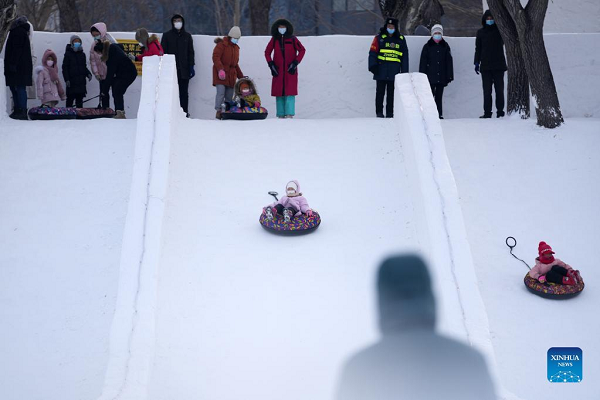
(259, 16)
(518, 82)
(530, 27)
(412, 13)
(8, 12)
(237, 13)
(69, 16)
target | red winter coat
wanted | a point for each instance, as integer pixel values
(285, 84)
(226, 57)
(154, 49)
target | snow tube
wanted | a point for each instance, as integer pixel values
(93, 113)
(245, 113)
(300, 225)
(51, 113)
(553, 291)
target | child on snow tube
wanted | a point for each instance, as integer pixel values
(246, 97)
(552, 270)
(291, 205)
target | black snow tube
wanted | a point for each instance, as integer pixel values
(245, 113)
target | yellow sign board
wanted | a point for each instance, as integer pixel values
(133, 47)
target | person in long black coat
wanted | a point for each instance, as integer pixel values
(75, 72)
(18, 66)
(436, 63)
(388, 57)
(490, 60)
(179, 42)
(120, 74)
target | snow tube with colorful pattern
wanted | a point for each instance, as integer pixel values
(51, 113)
(300, 225)
(553, 291)
(245, 113)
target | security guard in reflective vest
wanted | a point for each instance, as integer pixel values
(388, 56)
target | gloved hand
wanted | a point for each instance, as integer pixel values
(98, 77)
(89, 76)
(68, 83)
(477, 68)
(257, 104)
(192, 72)
(542, 279)
(222, 74)
(292, 67)
(273, 68)
(373, 69)
(131, 56)
(310, 213)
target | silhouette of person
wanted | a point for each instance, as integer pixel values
(412, 361)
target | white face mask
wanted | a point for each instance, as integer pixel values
(49, 63)
(282, 30)
(178, 25)
(246, 91)
(141, 44)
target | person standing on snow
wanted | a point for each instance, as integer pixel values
(49, 88)
(388, 57)
(18, 66)
(226, 68)
(99, 33)
(283, 54)
(120, 73)
(179, 42)
(150, 44)
(436, 63)
(75, 72)
(489, 59)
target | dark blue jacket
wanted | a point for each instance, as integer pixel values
(436, 62)
(388, 56)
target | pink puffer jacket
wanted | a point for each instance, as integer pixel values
(98, 66)
(49, 89)
(299, 202)
(542, 269)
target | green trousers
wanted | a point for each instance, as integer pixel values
(286, 105)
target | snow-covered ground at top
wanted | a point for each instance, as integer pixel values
(65, 187)
(516, 179)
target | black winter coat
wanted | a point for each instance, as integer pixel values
(118, 66)
(384, 70)
(436, 62)
(75, 71)
(489, 47)
(18, 67)
(181, 44)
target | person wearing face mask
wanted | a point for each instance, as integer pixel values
(150, 44)
(388, 57)
(226, 68)
(99, 34)
(293, 204)
(490, 61)
(436, 63)
(283, 54)
(75, 72)
(49, 88)
(179, 42)
(18, 65)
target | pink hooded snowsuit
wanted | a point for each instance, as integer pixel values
(542, 269)
(98, 66)
(49, 87)
(298, 201)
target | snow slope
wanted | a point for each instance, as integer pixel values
(64, 199)
(516, 179)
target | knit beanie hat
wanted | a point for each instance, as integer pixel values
(437, 28)
(235, 32)
(543, 247)
(141, 35)
(73, 38)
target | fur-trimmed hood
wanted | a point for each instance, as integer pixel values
(282, 21)
(103, 47)
(250, 83)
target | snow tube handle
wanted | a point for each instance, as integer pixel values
(514, 240)
(274, 194)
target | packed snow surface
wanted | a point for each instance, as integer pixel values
(517, 179)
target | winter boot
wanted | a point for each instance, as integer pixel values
(120, 115)
(499, 114)
(567, 280)
(573, 275)
(269, 214)
(287, 215)
(380, 115)
(486, 116)
(218, 115)
(21, 114)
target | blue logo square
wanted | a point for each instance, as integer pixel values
(565, 364)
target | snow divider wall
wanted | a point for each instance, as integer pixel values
(3, 113)
(440, 226)
(132, 336)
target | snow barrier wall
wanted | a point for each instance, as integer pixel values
(3, 106)
(132, 333)
(440, 226)
(335, 82)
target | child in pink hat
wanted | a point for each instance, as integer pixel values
(550, 269)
